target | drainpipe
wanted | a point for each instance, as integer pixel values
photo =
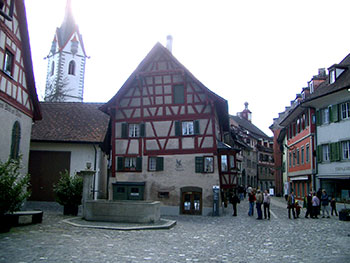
(94, 178)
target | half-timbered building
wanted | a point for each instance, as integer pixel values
(167, 138)
(19, 105)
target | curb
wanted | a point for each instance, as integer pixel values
(162, 224)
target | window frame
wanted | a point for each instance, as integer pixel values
(302, 151)
(155, 164)
(8, 66)
(71, 68)
(307, 153)
(347, 143)
(325, 152)
(345, 110)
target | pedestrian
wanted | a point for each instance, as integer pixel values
(319, 194)
(315, 205)
(297, 208)
(324, 203)
(259, 201)
(291, 204)
(267, 200)
(251, 199)
(234, 200)
(308, 205)
(334, 206)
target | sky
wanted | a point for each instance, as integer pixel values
(260, 52)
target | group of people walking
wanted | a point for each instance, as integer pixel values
(314, 203)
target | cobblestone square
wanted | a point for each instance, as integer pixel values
(193, 239)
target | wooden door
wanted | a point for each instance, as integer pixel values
(45, 168)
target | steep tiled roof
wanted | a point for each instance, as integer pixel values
(71, 122)
(342, 82)
(250, 127)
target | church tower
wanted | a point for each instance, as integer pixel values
(66, 62)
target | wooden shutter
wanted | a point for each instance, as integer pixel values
(196, 127)
(124, 130)
(337, 148)
(318, 118)
(160, 164)
(178, 128)
(199, 162)
(334, 113)
(139, 164)
(319, 153)
(179, 94)
(120, 164)
(332, 152)
(142, 130)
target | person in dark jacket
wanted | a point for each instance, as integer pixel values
(291, 204)
(334, 206)
(324, 203)
(308, 206)
(234, 200)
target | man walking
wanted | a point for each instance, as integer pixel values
(259, 201)
(266, 205)
(324, 203)
(291, 204)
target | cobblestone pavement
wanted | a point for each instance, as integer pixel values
(193, 239)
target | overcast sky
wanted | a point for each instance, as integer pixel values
(262, 52)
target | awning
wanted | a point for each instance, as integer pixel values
(338, 176)
(299, 178)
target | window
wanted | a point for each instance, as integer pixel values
(129, 164)
(52, 68)
(302, 155)
(224, 166)
(155, 164)
(132, 130)
(71, 68)
(8, 62)
(290, 160)
(186, 128)
(345, 150)
(325, 116)
(163, 195)
(307, 153)
(325, 152)
(345, 110)
(294, 157)
(332, 76)
(232, 162)
(16, 137)
(204, 164)
(298, 157)
(179, 94)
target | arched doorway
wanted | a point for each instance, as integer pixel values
(191, 200)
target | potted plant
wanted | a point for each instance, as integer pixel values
(69, 191)
(13, 191)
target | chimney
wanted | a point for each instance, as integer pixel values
(169, 43)
(321, 72)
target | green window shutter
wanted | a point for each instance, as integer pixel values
(337, 151)
(139, 164)
(334, 113)
(318, 117)
(179, 94)
(160, 164)
(124, 130)
(142, 130)
(199, 161)
(319, 153)
(120, 164)
(332, 152)
(196, 126)
(178, 128)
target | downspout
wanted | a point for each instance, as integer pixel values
(94, 178)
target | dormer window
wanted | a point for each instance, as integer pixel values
(332, 76)
(311, 86)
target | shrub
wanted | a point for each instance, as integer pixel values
(13, 186)
(69, 189)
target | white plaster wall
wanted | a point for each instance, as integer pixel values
(8, 116)
(80, 153)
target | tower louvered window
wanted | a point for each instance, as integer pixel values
(16, 137)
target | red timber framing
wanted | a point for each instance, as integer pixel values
(17, 84)
(149, 98)
(228, 176)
